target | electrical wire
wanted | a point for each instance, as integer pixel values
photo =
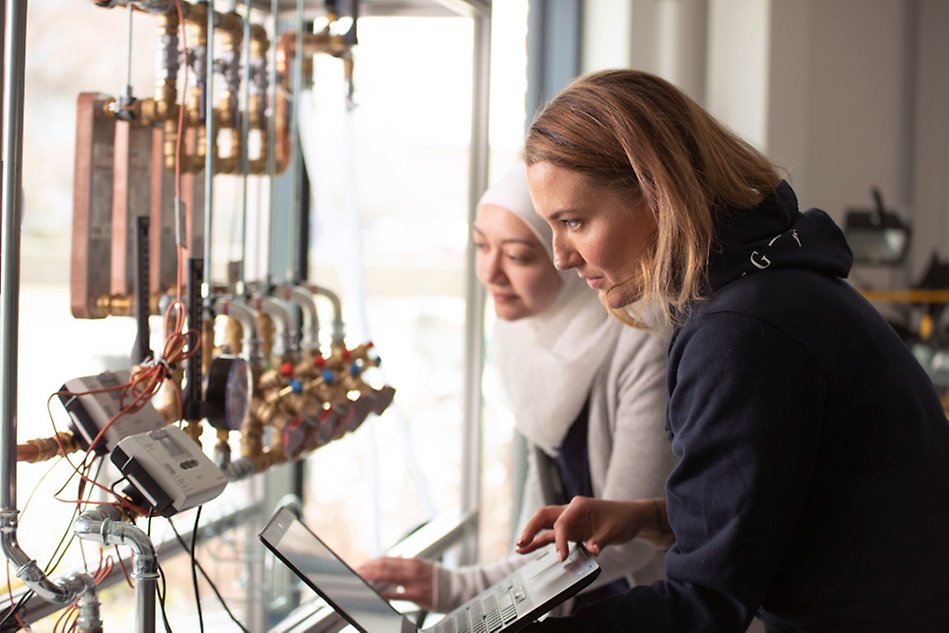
(161, 599)
(51, 566)
(14, 605)
(194, 567)
(15, 610)
(207, 579)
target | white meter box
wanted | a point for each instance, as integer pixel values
(167, 470)
(89, 413)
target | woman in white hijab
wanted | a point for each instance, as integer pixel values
(588, 394)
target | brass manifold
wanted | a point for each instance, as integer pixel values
(305, 404)
(162, 109)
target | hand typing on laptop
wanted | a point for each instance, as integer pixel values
(409, 579)
(597, 523)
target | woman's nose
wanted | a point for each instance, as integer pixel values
(564, 258)
(491, 268)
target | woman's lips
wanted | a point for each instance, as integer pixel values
(504, 298)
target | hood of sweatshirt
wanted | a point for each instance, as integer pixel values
(776, 234)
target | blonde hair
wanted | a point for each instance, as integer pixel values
(640, 136)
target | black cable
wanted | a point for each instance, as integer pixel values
(12, 611)
(194, 568)
(207, 578)
(161, 597)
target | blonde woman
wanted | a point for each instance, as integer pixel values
(813, 482)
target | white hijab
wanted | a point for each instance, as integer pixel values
(547, 362)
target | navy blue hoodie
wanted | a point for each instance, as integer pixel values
(814, 475)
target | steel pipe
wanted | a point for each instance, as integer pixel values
(103, 526)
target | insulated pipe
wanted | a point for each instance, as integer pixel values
(103, 526)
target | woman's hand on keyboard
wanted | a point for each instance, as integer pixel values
(597, 523)
(409, 579)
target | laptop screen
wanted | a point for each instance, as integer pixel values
(317, 565)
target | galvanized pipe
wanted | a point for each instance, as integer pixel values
(245, 138)
(272, 124)
(231, 306)
(339, 327)
(103, 526)
(288, 334)
(301, 297)
(211, 131)
(14, 62)
(14, 54)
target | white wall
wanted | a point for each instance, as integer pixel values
(852, 98)
(845, 94)
(737, 66)
(666, 37)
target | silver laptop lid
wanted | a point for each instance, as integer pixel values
(507, 606)
(335, 581)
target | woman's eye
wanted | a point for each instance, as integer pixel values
(571, 224)
(481, 246)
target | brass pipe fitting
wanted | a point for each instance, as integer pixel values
(252, 432)
(123, 305)
(161, 107)
(194, 428)
(265, 325)
(207, 344)
(42, 449)
(230, 31)
(234, 336)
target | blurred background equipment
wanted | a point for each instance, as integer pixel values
(185, 204)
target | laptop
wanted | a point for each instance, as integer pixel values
(510, 605)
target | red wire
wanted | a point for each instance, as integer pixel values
(122, 565)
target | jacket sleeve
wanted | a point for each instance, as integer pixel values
(635, 454)
(745, 410)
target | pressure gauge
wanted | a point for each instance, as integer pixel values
(227, 392)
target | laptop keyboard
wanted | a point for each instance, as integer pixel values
(486, 615)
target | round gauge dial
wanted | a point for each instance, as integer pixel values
(228, 392)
